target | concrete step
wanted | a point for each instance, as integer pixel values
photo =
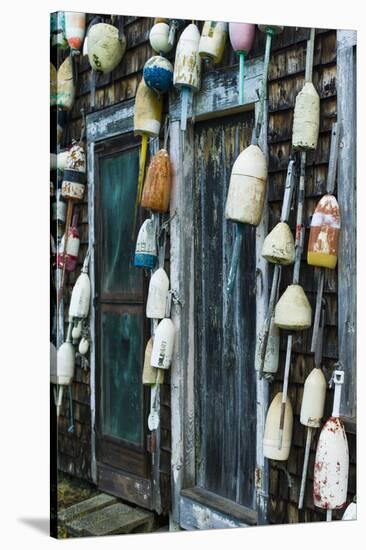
(113, 519)
(86, 507)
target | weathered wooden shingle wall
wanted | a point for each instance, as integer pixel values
(286, 78)
(75, 449)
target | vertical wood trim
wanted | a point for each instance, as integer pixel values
(346, 110)
(91, 187)
(262, 305)
(182, 281)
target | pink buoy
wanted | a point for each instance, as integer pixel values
(241, 39)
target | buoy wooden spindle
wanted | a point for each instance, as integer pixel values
(185, 96)
(143, 153)
(311, 415)
(241, 77)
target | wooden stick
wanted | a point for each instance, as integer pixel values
(329, 515)
(235, 258)
(284, 390)
(264, 83)
(305, 467)
(319, 297)
(241, 77)
(310, 57)
(66, 234)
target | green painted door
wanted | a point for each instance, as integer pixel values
(121, 401)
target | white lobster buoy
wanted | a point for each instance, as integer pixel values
(163, 345)
(158, 292)
(151, 375)
(65, 85)
(80, 297)
(332, 458)
(83, 346)
(75, 29)
(306, 118)
(312, 406)
(187, 67)
(213, 40)
(59, 209)
(159, 38)
(76, 331)
(271, 430)
(293, 311)
(350, 512)
(279, 246)
(106, 47)
(61, 160)
(73, 184)
(146, 252)
(65, 365)
(247, 187)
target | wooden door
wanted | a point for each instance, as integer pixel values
(123, 463)
(225, 379)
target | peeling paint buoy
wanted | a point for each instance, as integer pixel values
(158, 74)
(106, 47)
(162, 352)
(271, 430)
(293, 311)
(157, 295)
(65, 85)
(80, 296)
(145, 252)
(279, 246)
(324, 233)
(156, 191)
(306, 119)
(312, 406)
(271, 360)
(213, 40)
(187, 67)
(74, 179)
(58, 38)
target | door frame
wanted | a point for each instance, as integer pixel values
(192, 507)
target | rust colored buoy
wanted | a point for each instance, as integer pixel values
(324, 233)
(156, 192)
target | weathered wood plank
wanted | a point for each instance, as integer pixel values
(346, 101)
(114, 120)
(219, 92)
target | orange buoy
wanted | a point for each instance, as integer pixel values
(324, 233)
(156, 192)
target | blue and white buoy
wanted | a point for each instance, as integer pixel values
(158, 74)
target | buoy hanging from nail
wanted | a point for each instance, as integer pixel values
(106, 47)
(332, 458)
(271, 430)
(241, 39)
(324, 233)
(146, 250)
(187, 68)
(305, 129)
(293, 310)
(279, 246)
(147, 120)
(213, 40)
(245, 199)
(80, 296)
(158, 74)
(157, 186)
(65, 85)
(163, 345)
(75, 30)
(159, 38)
(151, 375)
(157, 295)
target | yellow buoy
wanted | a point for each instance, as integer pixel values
(293, 311)
(271, 430)
(247, 187)
(279, 246)
(151, 375)
(65, 85)
(213, 40)
(306, 119)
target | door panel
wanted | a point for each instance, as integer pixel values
(225, 332)
(122, 402)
